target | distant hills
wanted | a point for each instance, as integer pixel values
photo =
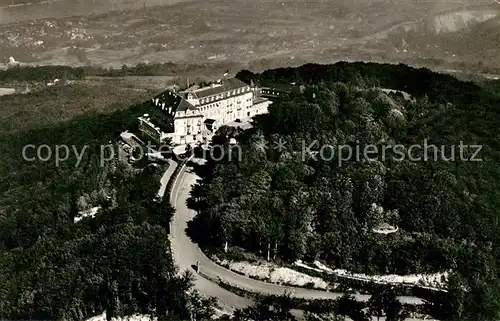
(263, 34)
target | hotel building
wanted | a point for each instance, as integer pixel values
(194, 115)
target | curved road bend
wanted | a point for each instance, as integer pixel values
(186, 254)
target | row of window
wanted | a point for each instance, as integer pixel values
(184, 137)
(215, 105)
(149, 131)
(226, 94)
(204, 108)
(268, 92)
(147, 127)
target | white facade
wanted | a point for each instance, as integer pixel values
(198, 113)
(221, 106)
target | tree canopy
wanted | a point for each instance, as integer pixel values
(302, 191)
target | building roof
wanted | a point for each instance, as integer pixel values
(226, 85)
(173, 100)
(209, 124)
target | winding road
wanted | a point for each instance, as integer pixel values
(187, 254)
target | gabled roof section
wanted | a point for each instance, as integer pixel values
(163, 109)
(281, 87)
(226, 85)
(171, 102)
